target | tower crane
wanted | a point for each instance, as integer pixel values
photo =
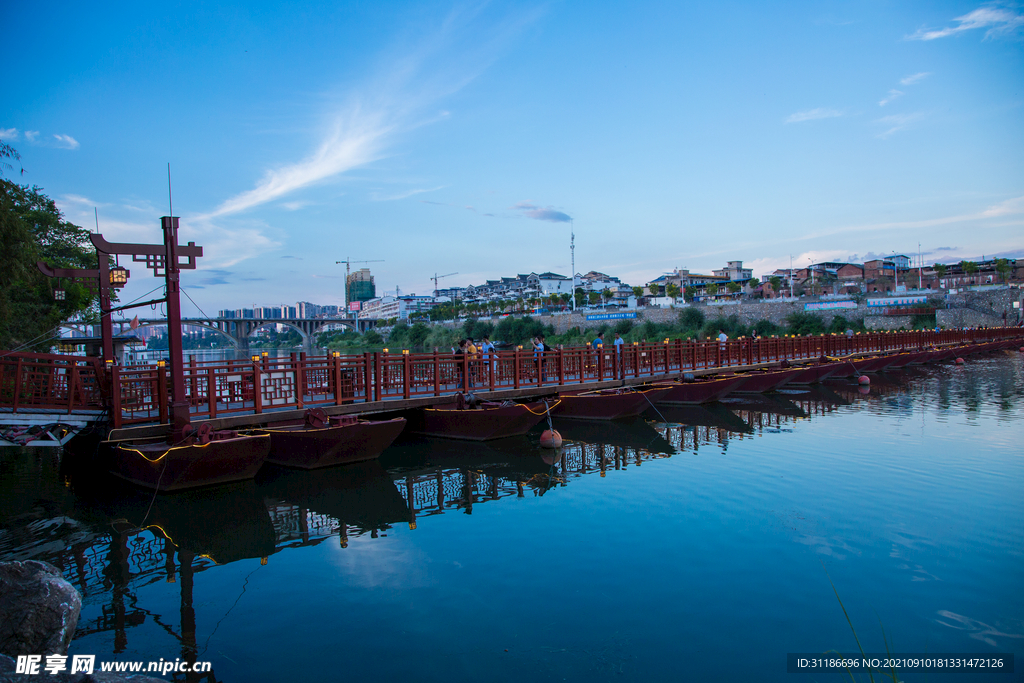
(439, 277)
(348, 271)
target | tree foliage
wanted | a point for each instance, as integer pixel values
(33, 229)
(1003, 268)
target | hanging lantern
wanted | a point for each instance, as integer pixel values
(59, 294)
(119, 276)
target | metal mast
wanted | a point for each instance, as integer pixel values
(572, 256)
(439, 277)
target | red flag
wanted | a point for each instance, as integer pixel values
(134, 324)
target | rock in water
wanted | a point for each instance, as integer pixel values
(38, 609)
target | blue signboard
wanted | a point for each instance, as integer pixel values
(611, 316)
(829, 305)
(898, 301)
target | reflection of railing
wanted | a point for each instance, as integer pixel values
(296, 526)
(445, 489)
(140, 394)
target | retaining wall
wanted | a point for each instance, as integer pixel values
(967, 309)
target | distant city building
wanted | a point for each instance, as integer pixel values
(683, 278)
(360, 285)
(553, 283)
(597, 282)
(734, 272)
(302, 310)
(400, 307)
(956, 276)
(902, 262)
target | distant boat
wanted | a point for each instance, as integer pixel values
(206, 457)
(693, 390)
(608, 404)
(763, 381)
(477, 422)
(321, 441)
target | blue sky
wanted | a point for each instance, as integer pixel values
(446, 137)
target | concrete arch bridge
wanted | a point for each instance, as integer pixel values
(239, 330)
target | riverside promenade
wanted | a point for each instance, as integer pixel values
(231, 394)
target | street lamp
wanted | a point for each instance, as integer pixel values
(119, 276)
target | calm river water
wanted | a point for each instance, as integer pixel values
(694, 544)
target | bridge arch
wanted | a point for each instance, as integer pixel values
(328, 325)
(259, 325)
(184, 325)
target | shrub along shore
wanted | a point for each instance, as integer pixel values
(691, 324)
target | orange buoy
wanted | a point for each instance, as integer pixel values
(959, 361)
(551, 439)
(863, 379)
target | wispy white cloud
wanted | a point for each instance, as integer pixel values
(398, 99)
(1006, 208)
(996, 19)
(223, 245)
(356, 138)
(897, 122)
(32, 137)
(914, 78)
(380, 197)
(1009, 207)
(66, 142)
(893, 94)
(812, 115)
(545, 213)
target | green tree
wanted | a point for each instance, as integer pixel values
(607, 294)
(594, 298)
(689, 292)
(672, 290)
(581, 296)
(753, 283)
(566, 298)
(733, 287)
(1003, 268)
(32, 229)
(940, 269)
(8, 152)
(776, 283)
(638, 292)
(418, 334)
(712, 289)
(969, 267)
(692, 319)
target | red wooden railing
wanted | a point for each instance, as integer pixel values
(215, 389)
(50, 382)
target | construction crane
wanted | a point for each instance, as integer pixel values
(439, 277)
(348, 271)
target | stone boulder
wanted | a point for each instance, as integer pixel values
(38, 609)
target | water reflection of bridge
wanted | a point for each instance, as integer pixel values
(306, 508)
(124, 549)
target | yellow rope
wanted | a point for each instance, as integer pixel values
(164, 455)
(172, 448)
(497, 408)
(546, 409)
